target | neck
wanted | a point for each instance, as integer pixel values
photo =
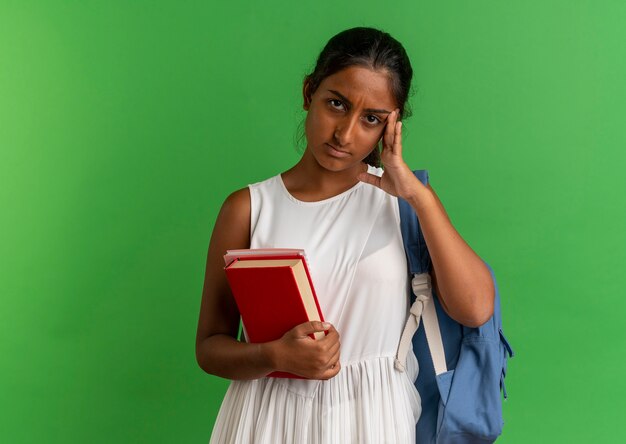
(311, 181)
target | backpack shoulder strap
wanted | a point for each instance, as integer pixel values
(423, 307)
(412, 236)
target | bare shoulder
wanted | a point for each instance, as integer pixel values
(237, 201)
(233, 221)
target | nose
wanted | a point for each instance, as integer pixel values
(344, 131)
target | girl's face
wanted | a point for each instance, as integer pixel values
(346, 117)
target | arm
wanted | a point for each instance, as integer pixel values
(218, 352)
(460, 277)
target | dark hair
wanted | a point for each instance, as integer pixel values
(370, 48)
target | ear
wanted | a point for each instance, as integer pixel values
(306, 95)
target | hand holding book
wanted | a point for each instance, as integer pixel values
(296, 353)
(279, 309)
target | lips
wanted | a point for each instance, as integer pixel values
(335, 152)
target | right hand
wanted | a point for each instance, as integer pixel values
(296, 352)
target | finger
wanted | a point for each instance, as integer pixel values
(388, 133)
(389, 130)
(372, 179)
(397, 140)
(334, 357)
(332, 350)
(332, 371)
(332, 353)
(331, 338)
(308, 328)
(332, 332)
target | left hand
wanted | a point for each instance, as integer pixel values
(398, 179)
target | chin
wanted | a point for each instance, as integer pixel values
(337, 166)
(328, 162)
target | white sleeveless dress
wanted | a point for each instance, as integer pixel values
(357, 263)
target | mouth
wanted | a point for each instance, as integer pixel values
(336, 152)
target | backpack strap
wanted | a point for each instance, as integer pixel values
(417, 254)
(433, 335)
(423, 307)
(421, 283)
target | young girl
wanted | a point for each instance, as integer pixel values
(342, 209)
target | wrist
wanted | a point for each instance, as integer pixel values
(268, 356)
(421, 199)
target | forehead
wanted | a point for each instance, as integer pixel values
(371, 88)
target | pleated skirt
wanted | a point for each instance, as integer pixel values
(368, 401)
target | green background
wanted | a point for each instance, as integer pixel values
(124, 125)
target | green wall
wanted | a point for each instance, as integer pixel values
(124, 125)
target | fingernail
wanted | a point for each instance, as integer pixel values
(326, 325)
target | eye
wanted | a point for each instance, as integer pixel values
(336, 104)
(372, 119)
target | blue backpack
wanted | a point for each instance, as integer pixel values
(460, 388)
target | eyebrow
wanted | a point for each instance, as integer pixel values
(369, 110)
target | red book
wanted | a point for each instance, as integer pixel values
(274, 293)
